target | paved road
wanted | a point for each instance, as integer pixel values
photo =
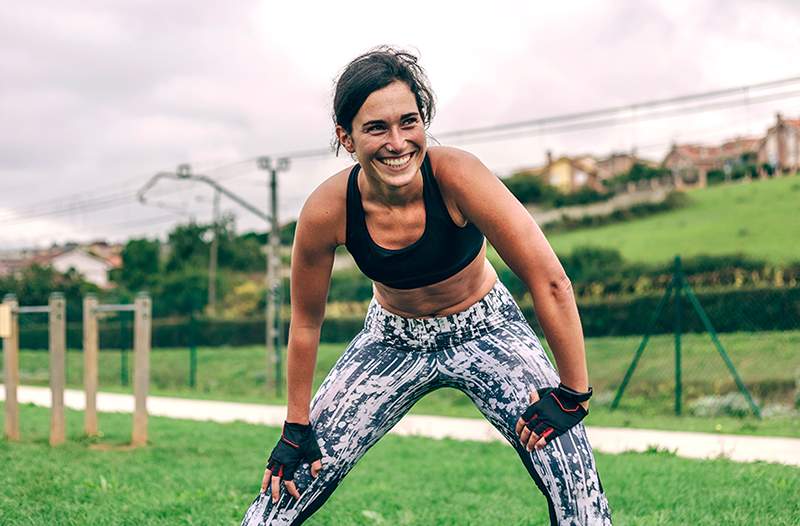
(740, 448)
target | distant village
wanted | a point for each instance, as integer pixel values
(686, 166)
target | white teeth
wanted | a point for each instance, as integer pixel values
(399, 161)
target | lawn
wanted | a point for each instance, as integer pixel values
(759, 218)
(768, 362)
(198, 473)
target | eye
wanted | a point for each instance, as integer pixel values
(375, 128)
(410, 121)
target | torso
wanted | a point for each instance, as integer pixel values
(399, 227)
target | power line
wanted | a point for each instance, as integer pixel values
(617, 121)
(568, 122)
(576, 118)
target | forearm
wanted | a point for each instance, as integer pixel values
(555, 307)
(301, 362)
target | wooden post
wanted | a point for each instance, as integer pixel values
(11, 368)
(90, 350)
(58, 337)
(141, 372)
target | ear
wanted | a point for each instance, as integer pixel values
(345, 138)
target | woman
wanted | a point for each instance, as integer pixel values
(414, 219)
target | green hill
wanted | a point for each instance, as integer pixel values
(759, 218)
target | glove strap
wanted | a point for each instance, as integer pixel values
(573, 395)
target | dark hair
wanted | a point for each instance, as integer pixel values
(375, 70)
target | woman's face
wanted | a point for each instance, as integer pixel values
(388, 135)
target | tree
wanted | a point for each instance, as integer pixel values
(140, 264)
(188, 249)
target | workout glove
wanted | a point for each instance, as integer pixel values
(557, 410)
(297, 444)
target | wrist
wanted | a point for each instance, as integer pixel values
(577, 396)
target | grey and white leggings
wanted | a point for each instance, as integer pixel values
(487, 351)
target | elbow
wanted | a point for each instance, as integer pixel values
(556, 287)
(561, 285)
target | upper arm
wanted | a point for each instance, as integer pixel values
(313, 251)
(486, 202)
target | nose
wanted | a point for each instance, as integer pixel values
(396, 141)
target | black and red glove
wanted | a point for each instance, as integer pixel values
(556, 412)
(297, 444)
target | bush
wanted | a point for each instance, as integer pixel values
(529, 188)
(349, 285)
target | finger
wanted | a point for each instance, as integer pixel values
(526, 435)
(537, 431)
(532, 441)
(276, 489)
(265, 480)
(543, 438)
(519, 426)
(291, 488)
(316, 467)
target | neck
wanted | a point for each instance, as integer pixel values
(390, 196)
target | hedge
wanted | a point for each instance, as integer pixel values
(764, 309)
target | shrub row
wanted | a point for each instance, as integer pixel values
(764, 309)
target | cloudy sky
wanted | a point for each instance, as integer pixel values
(97, 97)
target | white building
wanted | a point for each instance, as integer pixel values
(92, 268)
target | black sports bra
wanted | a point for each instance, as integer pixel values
(443, 249)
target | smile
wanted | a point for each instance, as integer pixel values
(396, 162)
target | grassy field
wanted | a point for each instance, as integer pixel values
(759, 218)
(769, 362)
(200, 474)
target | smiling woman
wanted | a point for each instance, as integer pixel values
(414, 219)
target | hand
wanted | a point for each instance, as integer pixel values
(553, 411)
(298, 443)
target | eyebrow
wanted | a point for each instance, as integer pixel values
(380, 121)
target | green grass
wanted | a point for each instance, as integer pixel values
(769, 363)
(195, 473)
(759, 218)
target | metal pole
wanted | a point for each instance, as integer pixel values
(123, 352)
(58, 338)
(275, 268)
(273, 282)
(265, 163)
(11, 368)
(212, 260)
(642, 345)
(728, 362)
(141, 372)
(192, 351)
(678, 292)
(90, 344)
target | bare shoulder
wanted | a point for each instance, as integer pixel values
(325, 211)
(455, 167)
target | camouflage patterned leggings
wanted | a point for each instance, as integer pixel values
(489, 352)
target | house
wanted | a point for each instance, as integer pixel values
(690, 163)
(93, 268)
(568, 174)
(779, 151)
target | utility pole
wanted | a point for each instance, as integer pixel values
(273, 284)
(212, 260)
(184, 173)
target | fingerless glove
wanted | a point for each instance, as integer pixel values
(557, 410)
(297, 444)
